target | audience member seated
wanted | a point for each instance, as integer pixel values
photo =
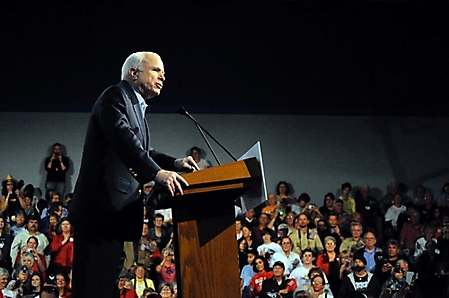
(242, 250)
(396, 284)
(166, 290)
(123, 291)
(300, 274)
(318, 271)
(391, 217)
(387, 200)
(344, 219)
(328, 204)
(370, 251)
(271, 205)
(283, 193)
(388, 262)
(367, 206)
(304, 291)
(45, 226)
(31, 258)
(5, 245)
(300, 205)
(140, 282)
(278, 284)
(263, 224)
(354, 242)
(12, 199)
(411, 231)
(167, 268)
(329, 262)
(251, 243)
(159, 232)
(18, 223)
(21, 282)
(263, 272)
(61, 248)
(318, 286)
(348, 201)
(247, 274)
(195, 152)
(418, 199)
(52, 196)
(62, 285)
(248, 219)
(428, 208)
(268, 247)
(360, 280)
(4, 280)
(37, 283)
(288, 257)
(20, 241)
(443, 197)
(304, 237)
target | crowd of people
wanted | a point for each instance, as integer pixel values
(350, 246)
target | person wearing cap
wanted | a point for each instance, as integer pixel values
(287, 256)
(12, 199)
(278, 283)
(360, 280)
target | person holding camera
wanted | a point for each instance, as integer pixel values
(31, 258)
(167, 269)
(56, 167)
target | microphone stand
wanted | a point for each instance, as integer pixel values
(201, 129)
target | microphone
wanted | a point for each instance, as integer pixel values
(202, 130)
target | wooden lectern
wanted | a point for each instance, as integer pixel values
(204, 228)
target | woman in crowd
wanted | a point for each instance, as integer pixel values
(166, 290)
(318, 286)
(141, 282)
(5, 245)
(31, 258)
(21, 283)
(37, 283)
(61, 248)
(167, 268)
(62, 285)
(243, 249)
(329, 262)
(263, 272)
(251, 243)
(4, 279)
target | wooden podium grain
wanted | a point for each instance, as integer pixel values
(204, 229)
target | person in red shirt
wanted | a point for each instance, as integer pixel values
(31, 258)
(61, 248)
(263, 272)
(124, 292)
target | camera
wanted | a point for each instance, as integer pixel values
(30, 250)
(311, 206)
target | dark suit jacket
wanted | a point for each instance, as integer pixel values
(117, 159)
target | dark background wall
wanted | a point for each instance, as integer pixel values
(263, 57)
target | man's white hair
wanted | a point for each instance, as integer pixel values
(134, 60)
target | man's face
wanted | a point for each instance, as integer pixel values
(303, 221)
(356, 231)
(158, 222)
(307, 258)
(250, 213)
(57, 150)
(370, 240)
(271, 199)
(338, 208)
(278, 271)
(393, 250)
(32, 225)
(286, 244)
(332, 221)
(263, 219)
(329, 202)
(149, 78)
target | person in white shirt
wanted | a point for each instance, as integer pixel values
(268, 248)
(290, 259)
(394, 211)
